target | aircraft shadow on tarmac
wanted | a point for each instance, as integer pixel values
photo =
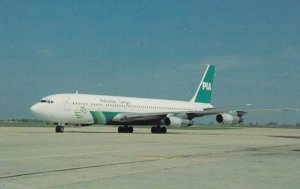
(135, 133)
(90, 132)
(291, 137)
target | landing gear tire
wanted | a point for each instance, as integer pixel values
(125, 129)
(158, 130)
(163, 130)
(120, 129)
(153, 129)
(59, 129)
(130, 130)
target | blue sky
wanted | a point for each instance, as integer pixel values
(155, 49)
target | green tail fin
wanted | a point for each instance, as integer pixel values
(203, 94)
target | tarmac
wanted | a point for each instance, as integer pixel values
(99, 157)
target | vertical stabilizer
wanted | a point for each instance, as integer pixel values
(203, 93)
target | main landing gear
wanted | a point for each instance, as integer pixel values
(129, 129)
(59, 129)
(125, 129)
(159, 129)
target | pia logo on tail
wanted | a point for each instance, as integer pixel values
(206, 86)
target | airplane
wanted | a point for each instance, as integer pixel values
(87, 109)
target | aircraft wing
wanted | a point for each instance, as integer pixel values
(214, 111)
(139, 117)
(135, 117)
(269, 110)
(218, 110)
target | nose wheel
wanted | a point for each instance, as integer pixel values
(59, 129)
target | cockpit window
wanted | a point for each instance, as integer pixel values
(47, 101)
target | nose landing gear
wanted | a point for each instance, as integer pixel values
(59, 129)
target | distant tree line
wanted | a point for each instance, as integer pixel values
(22, 120)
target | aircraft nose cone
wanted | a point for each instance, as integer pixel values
(34, 109)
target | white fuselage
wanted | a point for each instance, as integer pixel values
(85, 108)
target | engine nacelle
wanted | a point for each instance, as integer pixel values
(177, 122)
(228, 119)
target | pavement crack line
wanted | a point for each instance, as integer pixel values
(74, 168)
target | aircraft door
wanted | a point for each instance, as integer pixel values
(67, 103)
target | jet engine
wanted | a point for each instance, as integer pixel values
(228, 119)
(177, 122)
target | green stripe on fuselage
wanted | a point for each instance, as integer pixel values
(103, 117)
(110, 115)
(96, 117)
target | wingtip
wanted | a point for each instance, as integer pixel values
(292, 109)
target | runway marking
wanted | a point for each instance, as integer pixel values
(79, 154)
